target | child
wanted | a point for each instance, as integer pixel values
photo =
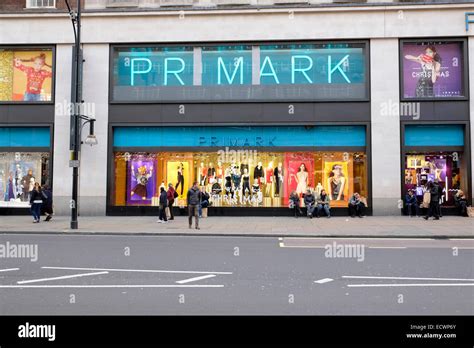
(35, 76)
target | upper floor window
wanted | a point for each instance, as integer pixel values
(40, 3)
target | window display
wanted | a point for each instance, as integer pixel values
(255, 179)
(446, 168)
(18, 173)
(26, 75)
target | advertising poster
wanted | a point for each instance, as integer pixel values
(432, 69)
(26, 75)
(177, 173)
(336, 181)
(142, 181)
(300, 173)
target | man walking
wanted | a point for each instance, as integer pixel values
(194, 201)
(434, 202)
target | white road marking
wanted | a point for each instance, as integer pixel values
(195, 279)
(362, 238)
(408, 285)
(282, 245)
(62, 277)
(9, 269)
(324, 280)
(407, 278)
(105, 286)
(134, 270)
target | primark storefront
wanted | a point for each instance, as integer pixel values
(250, 122)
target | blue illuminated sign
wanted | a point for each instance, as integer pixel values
(240, 72)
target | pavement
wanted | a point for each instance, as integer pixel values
(372, 226)
(204, 275)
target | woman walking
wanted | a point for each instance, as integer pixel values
(36, 201)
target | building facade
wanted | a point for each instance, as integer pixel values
(253, 100)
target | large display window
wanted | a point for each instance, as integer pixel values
(446, 168)
(18, 173)
(238, 178)
(26, 74)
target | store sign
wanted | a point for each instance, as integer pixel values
(240, 72)
(432, 69)
(26, 75)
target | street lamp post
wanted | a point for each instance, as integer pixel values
(76, 117)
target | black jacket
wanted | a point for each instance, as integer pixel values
(36, 196)
(435, 193)
(163, 199)
(309, 199)
(194, 196)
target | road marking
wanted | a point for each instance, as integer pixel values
(106, 286)
(324, 280)
(134, 270)
(362, 238)
(9, 269)
(282, 245)
(408, 285)
(384, 247)
(195, 279)
(407, 278)
(62, 277)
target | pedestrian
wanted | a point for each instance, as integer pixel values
(411, 202)
(194, 200)
(434, 202)
(460, 201)
(47, 207)
(323, 203)
(294, 203)
(204, 201)
(163, 204)
(356, 206)
(309, 202)
(36, 201)
(171, 195)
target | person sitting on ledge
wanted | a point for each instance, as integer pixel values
(460, 201)
(309, 202)
(356, 206)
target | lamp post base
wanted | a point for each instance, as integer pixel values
(74, 225)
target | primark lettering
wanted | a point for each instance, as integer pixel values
(301, 69)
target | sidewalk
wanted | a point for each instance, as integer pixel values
(386, 226)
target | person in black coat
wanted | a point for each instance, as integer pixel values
(434, 202)
(36, 200)
(163, 205)
(47, 207)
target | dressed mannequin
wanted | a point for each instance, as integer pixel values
(219, 172)
(269, 179)
(258, 173)
(301, 179)
(236, 176)
(18, 178)
(245, 182)
(319, 187)
(26, 183)
(278, 174)
(228, 183)
(11, 189)
(244, 166)
(211, 173)
(202, 172)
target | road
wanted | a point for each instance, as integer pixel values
(97, 274)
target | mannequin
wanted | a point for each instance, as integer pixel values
(11, 189)
(269, 179)
(211, 173)
(258, 173)
(278, 174)
(219, 173)
(246, 182)
(26, 183)
(319, 187)
(18, 178)
(202, 172)
(236, 176)
(228, 183)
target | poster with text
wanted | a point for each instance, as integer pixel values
(26, 75)
(432, 69)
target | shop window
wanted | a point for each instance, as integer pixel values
(18, 173)
(446, 168)
(238, 178)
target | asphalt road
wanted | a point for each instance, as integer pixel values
(91, 275)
